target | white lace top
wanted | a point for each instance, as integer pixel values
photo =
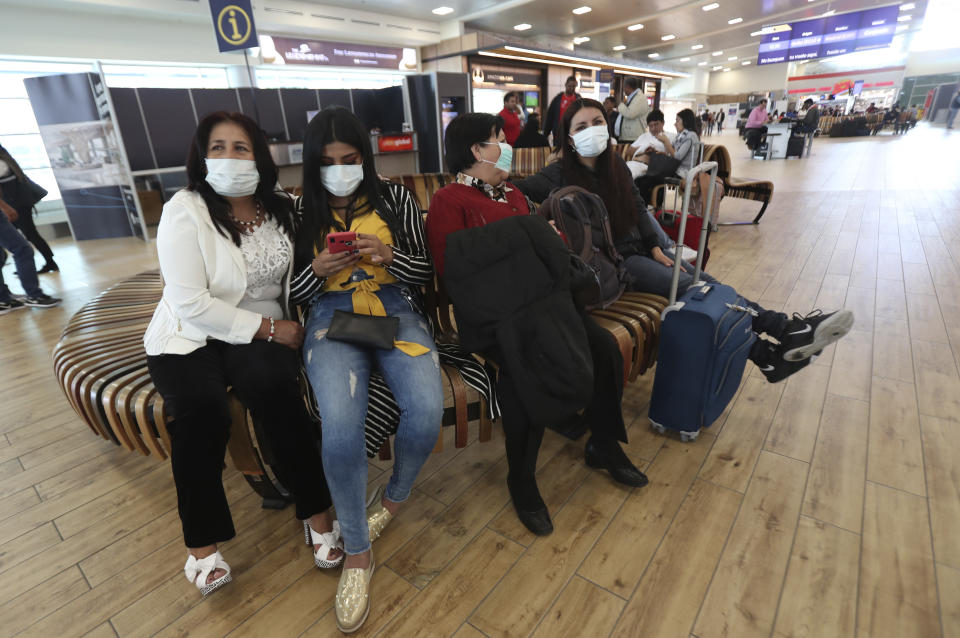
(267, 255)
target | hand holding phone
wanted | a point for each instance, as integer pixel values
(341, 242)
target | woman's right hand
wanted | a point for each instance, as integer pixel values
(327, 264)
(286, 333)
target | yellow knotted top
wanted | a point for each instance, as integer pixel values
(365, 299)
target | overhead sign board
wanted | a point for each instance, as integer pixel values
(299, 51)
(233, 24)
(828, 36)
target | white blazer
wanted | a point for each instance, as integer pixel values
(204, 277)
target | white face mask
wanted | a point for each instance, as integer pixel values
(341, 179)
(4, 168)
(591, 141)
(232, 177)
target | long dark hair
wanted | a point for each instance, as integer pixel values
(612, 174)
(336, 124)
(277, 205)
(12, 163)
(690, 122)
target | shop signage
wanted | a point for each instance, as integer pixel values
(298, 51)
(395, 143)
(485, 76)
(827, 37)
(233, 24)
(605, 76)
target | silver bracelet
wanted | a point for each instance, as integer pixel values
(273, 327)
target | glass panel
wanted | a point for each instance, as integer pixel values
(27, 150)
(165, 77)
(16, 116)
(273, 78)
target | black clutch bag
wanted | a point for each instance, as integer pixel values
(364, 330)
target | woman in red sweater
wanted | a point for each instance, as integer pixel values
(482, 195)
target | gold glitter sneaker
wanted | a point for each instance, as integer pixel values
(377, 515)
(353, 597)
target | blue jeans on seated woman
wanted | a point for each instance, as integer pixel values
(649, 275)
(339, 373)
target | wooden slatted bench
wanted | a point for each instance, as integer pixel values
(100, 363)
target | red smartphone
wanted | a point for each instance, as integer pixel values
(341, 242)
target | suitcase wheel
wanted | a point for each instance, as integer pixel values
(659, 429)
(689, 437)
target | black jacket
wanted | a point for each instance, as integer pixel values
(552, 122)
(510, 286)
(531, 139)
(640, 240)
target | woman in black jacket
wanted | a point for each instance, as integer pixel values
(15, 191)
(530, 136)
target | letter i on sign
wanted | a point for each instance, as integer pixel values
(233, 23)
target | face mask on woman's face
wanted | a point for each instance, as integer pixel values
(232, 177)
(505, 161)
(591, 141)
(4, 168)
(341, 180)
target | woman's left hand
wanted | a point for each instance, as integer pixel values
(660, 256)
(371, 246)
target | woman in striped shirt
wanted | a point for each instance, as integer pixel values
(378, 275)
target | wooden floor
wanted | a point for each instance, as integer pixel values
(828, 505)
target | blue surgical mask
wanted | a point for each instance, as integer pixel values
(506, 157)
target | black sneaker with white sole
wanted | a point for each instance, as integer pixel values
(767, 357)
(10, 306)
(805, 336)
(42, 301)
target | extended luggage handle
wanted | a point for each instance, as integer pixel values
(702, 167)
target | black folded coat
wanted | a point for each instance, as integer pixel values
(510, 286)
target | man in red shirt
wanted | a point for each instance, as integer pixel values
(512, 125)
(558, 105)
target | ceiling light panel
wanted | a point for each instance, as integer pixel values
(735, 21)
(581, 10)
(442, 11)
(620, 47)
(635, 27)
(523, 27)
(653, 55)
(711, 6)
(716, 53)
(904, 19)
(908, 6)
(697, 47)
(684, 59)
(668, 37)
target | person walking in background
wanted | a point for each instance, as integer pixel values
(558, 105)
(11, 239)
(720, 118)
(632, 122)
(611, 113)
(512, 125)
(20, 192)
(954, 108)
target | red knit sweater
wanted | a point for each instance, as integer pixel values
(456, 206)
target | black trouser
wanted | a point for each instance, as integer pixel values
(29, 229)
(645, 184)
(194, 389)
(603, 415)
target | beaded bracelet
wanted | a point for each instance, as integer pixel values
(273, 332)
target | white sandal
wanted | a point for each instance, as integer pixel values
(325, 542)
(198, 569)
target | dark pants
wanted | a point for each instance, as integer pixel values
(603, 415)
(11, 239)
(194, 388)
(29, 230)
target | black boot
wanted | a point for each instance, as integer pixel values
(50, 266)
(531, 510)
(608, 455)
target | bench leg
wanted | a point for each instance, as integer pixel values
(763, 209)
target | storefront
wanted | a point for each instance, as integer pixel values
(491, 81)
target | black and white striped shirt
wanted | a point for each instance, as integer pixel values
(413, 269)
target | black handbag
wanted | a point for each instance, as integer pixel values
(364, 330)
(662, 165)
(31, 192)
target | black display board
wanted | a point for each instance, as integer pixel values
(335, 97)
(170, 122)
(207, 101)
(267, 109)
(132, 129)
(296, 103)
(423, 107)
(380, 108)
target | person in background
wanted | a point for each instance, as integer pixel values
(720, 118)
(15, 191)
(559, 104)
(632, 122)
(610, 108)
(756, 126)
(810, 120)
(654, 141)
(481, 196)
(380, 276)
(705, 122)
(589, 161)
(511, 119)
(225, 246)
(711, 122)
(954, 109)
(530, 136)
(872, 108)
(11, 239)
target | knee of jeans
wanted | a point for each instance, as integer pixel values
(23, 250)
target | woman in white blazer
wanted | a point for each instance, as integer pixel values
(225, 250)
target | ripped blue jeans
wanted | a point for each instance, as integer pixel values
(339, 373)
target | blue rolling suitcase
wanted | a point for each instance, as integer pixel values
(705, 339)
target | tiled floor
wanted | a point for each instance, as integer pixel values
(828, 505)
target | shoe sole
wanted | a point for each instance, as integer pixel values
(41, 305)
(215, 585)
(830, 330)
